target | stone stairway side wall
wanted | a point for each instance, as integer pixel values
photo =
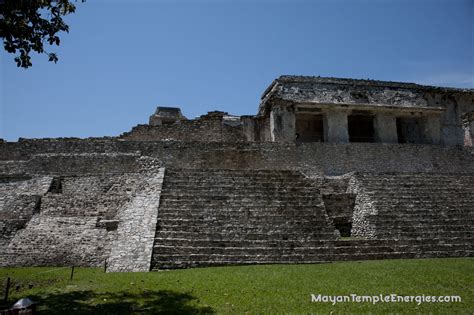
(132, 250)
(363, 208)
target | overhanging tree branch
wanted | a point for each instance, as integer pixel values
(26, 24)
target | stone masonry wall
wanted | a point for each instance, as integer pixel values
(132, 249)
(20, 199)
(210, 127)
(414, 206)
(313, 158)
(307, 90)
(75, 224)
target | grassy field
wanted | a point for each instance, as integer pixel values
(271, 289)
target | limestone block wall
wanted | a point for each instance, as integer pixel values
(313, 158)
(23, 149)
(415, 205)
(282, 124)
(292, 90)
(20, 199)
(83, 163)
(456, 104)
(12, 167)
(133, 247)
(364, 210)
(80, 164)
(209, 127)
(75, 223)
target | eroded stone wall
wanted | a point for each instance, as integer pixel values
(73, 214)
(313, 158)
(211, 127)
(396, 98)
(20, 199)
(132, 249)
(74, 224)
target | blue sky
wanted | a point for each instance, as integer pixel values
(121, 58)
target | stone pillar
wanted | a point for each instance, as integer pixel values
(432, 129)
(282, 124)
(468, 128)
(248, 128)
(385, 128)
(336, 123)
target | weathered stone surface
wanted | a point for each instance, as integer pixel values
(234, 190)
(213, 217)
(441, 107)
(64, 228)
(414, 206)
(317, 158)
(386, 128)
(337, 127)
(468, 128)
(20, 199)
(210, 127)
(282, 124)
(132, 248)
(166, 115)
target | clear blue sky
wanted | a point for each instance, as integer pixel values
(121, 59)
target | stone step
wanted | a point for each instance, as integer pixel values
(270, 180)
(241, 172)
(166, 226)
(234, 202)
(196, 212)
(244, 199)
(263, 250)
(213, 217)
(250, 190)
(176, 205)
(258, 181)
(319, 234)
(200, 242)
(268, 230)
(424, 234)
(400, 226)
(195, 260)
(420, 220)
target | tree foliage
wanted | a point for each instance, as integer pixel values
(25, 25)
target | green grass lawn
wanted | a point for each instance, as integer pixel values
(270, 289)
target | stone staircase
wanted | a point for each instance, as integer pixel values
(20, 200)
(228, 217)
(419, 215)
(74, 223)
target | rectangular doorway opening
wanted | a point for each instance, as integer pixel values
(409, 130)
(344, 227)
(309, 128)
(361, 128)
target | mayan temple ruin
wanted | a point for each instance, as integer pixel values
(328, 169)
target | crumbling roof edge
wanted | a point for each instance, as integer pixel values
(269, 91)
(366, 82)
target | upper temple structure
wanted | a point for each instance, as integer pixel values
(327, 170)
(315, 109)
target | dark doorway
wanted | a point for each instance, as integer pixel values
(409, 130)
(309, 128)
(343, 227)
(361, 128)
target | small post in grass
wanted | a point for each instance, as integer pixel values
(105, 265)
(72, 272)
(7, 288)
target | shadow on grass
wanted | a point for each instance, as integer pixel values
(90, 302)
